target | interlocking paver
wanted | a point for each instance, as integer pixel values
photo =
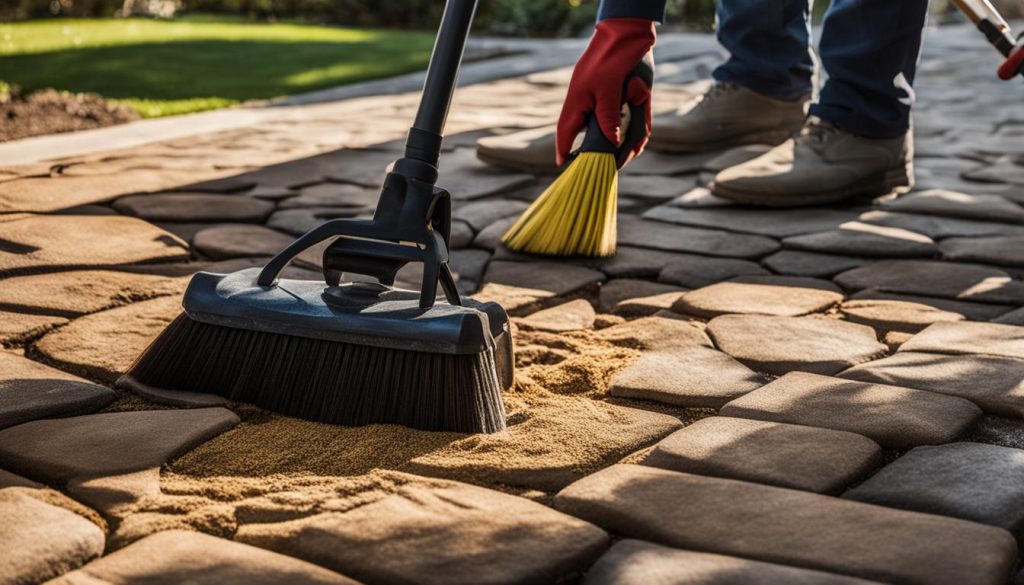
(761, 295)
(657, 333)
(634, 231)
(895, 315)
(557, 279)
(693, 271)
(939, 279)
(42, 541)
(998, 250)
(690, 375)
(193, 207)
(333, 195)
(189, 557)
(571, 316)
(60, 450)
(16, 328)
(960, 205)
(969, 310)
(797, 263)
(790, 527)
(29, 390)
(937, 227)
(777, 345)
(862, 239)
(63, 241)
(72, 294)
(480, 214)
(995, 384)
(636, 561)
(623, 289)
(892, 416)
(469, 535)
(783, 455)
(972, 481)
(763, 222)
(970, 337)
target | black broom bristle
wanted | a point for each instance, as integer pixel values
(327, 381)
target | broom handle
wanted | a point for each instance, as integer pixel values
(990, 22)
(424, 143)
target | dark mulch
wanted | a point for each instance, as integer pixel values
(50, 111)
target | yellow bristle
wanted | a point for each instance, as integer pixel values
(576, 215)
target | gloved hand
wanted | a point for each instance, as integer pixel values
(618, 45)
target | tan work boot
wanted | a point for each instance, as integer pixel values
(532, 151)
(728, 115)
(823, 164)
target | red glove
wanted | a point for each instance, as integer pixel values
(616, 48)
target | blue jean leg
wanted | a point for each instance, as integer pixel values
(768, 42)
(870, 50)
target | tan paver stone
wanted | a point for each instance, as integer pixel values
(195, 207)
(995, 384)
(693, 376)
(764, 295)
(517, 301)
(644, 306)
(970, 337)
(696, 271)
(46, 194)
(333, 195)
(895, 315)
(783, 455)
(467, 178)
(52, 241)
(894, 339)
(16, 328)
(480, 214)
(958, 205)
(972, 481)
(104, 345)
(776, 223)
(862, 239)
(998, 250)
(777, 345)
(892, 416)
(177, 556)
(572, 316)
(969, 310)
(796, 263)
(451, 535)
(790, 527)
(557, 279)
(29, 390)
(657, 333)
(72, 294)
(635, 562)
(60, 450)
(634, 231)
(42, 541)
(618, 290)
(969, 282)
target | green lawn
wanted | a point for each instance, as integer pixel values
(172, 67)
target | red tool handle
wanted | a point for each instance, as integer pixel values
(1014, 64)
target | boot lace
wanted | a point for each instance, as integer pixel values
(718, 90)
(816, 133)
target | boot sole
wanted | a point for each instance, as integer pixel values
(766, 137)
(895, 181)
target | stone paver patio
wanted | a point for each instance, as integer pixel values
(809, 396)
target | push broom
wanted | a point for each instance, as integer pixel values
(577, 214)
(354, 353)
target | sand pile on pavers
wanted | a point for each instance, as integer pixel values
(272, 469)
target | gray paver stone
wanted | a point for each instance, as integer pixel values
(958, 205)
(797, 263)
(972, 481)
(895, 315)
(998, 250)
(59, 450)
(693, 271)
(634, 231)
(29, 390)
(195, 207)
(776, 223)
(938, 279)
(552, 277)
(861, 239)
